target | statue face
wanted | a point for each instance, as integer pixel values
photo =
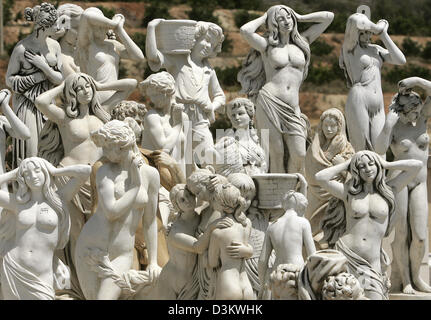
(84, 91)
(285, 21)
(239, 118)
(203, 47)
(364, 37)
(330, 127)
(412, 116)
(187, 201)
(34, 177)
(113, 152)
(367, 169)
(159, 99)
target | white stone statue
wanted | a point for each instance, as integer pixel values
(325, 277)
(177, 279)
(127, 110)
(164, 123)
(288, 235)
(405, 132)
(231, 281)
(241, 141)
(362, 63)
(127, 188)
(34, 67)
(197, 86)
(259, 224)
(369, 202)
(66, 138)
(328, 148)
(9, 124)
(273, 73)
(202, 184)
(99, 56)
(69, 17)
(34, 223)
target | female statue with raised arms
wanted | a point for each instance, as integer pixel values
(273, 73)
(35, 223)
(362, 63)
(369, 201)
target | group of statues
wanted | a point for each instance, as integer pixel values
(107, 198)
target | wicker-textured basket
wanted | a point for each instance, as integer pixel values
(272, 187)
(176, 36)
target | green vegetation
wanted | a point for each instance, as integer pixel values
(411, 47)
(153, 10)
(107, 12)
(242, 16)
(227, 78)
(321, 48)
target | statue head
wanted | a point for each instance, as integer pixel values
(296, 201)
(44, 17)
(246, 186)
(208, 39)
(80, 89)
(408, 105)
(181, 198)
(227, 198)
(69, 16)
(240, 112)
(160, 87)
(116, 138)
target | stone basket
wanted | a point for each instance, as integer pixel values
(271, 187)
(175, 36)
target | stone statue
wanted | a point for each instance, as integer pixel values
(9, 124)
(328, 148)
(69, 16)
(362, 63)
(34, 67)
(241, 140)
(259, 224)
(65, 139)
(272, 75)
(177, 279)
(99, 56)
(128, 109)
(405, 132)
(197, 86)
(231, 281)
(369, 202)
(325, 277)
(202, 183)
(164, 123)
(288, 234)
(34, 223)
(126, 189)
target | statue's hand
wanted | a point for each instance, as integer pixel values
(407, 84)
(153, 271)
(238, 250)
(154, 23)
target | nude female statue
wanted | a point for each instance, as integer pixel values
(67, 137)
(282, 55)
(362, 63)
(405, 132)
(34, 67)
(197, 86)
(177, 280)
(127, 188)
(69, 17)
(369, 201)
(35, 224)
(231, 282)
(99, 56)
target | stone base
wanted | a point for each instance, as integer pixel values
(403, 296)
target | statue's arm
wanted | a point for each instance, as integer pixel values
(248, 32)
(322, 20)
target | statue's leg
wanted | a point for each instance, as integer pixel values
(377, 122)
(418, 214)
(357, 120)
(296, 147)
(400, 250)
(271, 141)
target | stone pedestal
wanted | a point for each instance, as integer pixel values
(272, 187)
